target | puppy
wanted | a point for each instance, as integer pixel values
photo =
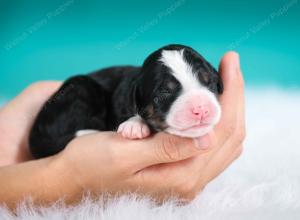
(175, 90)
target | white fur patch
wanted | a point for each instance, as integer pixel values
(134, 128)
(85, 132)
(183, 72)
(180, 68)
(193, 133)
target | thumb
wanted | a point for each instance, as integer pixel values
(166, 148)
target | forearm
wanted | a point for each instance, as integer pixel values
(44, 181)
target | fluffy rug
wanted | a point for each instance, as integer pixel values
(264, 183)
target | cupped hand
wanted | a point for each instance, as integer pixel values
(161, 165)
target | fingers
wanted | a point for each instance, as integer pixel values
(241, 122)
(191, 175)
(230, 132)
(231, 99)
(218, 164)
(32, 98)
(165, 148)
(22, 110)
(234, 156)
(36, 94)
(183, 178)
(17, 116)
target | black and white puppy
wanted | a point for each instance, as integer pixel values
(176, 90)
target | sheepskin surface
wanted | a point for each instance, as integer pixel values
(264, 183)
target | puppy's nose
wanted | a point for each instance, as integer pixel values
(200, 111)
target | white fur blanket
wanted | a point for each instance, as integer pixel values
(263, 184)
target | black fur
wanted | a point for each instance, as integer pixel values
(104, 99)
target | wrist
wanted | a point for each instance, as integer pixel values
(63, 179)
(44, 181)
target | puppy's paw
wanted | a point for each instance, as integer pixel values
(134, 128)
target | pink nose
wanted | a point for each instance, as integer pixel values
(200, 112)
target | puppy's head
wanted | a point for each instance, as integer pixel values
(177, 92)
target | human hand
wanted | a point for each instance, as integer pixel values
(161, 165)
(16, 119)
(158, 166)
(225, 141)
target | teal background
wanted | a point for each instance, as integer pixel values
(43, 40)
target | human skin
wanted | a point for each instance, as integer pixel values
(161, 166)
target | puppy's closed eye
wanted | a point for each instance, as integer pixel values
(171, 86)
(213, 87)
(163, 95)
(166, 92)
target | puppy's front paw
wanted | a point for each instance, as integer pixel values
(134, 128)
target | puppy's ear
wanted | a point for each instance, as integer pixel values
(220, 85)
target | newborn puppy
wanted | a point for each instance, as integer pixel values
(176, 90)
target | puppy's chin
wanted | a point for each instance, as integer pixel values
(196, 131)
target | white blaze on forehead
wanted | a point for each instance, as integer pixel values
(192, 87)
(180, 69)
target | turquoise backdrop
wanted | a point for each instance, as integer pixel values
(54, 39)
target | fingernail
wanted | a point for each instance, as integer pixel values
(202, 143)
